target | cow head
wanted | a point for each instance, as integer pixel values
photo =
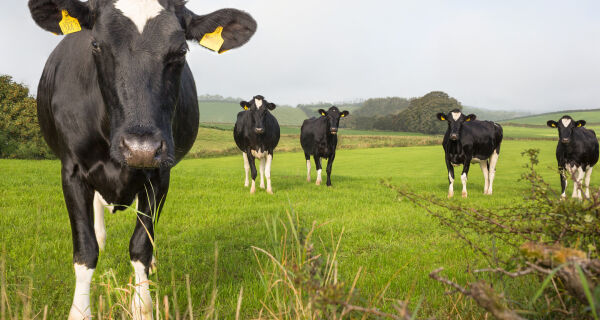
(333, 116)
(455, 119)
(565, 126)
(257, 108)
(139, 51)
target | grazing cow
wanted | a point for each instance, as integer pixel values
(469, 141)
(318, 137)
(576, 153)
(117, 103)
(256, 133)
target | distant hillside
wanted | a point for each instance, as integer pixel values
(226, 112)
(494, 115)
(591, 116)
(311, 109)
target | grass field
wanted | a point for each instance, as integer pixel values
(537, 132)
(592, 116)
(208, 205)
(226, 112)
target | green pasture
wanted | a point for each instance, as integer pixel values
(592, 116)
(287, 129)
(208, 206)
(518, 132)
(226, 112)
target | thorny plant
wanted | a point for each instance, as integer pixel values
(552, 240)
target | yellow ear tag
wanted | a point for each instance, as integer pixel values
(578, 125)
(245, 107)
(442, 118)
(213, 41)
(553, 125)
(468, 119)
(69, 24)
(343, 115)
(322, 114)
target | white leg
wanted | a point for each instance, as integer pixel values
(268, 172)
(141, 303)
(484, 169)
(80, 310)
(588, 177)
(308, 170)
(578, 183)
(262, 172)
(99, 227)
(318, 177)
(451, 186)
(253, 187)
(152, 265)
(566, 177)
(492, 171)
(246, 168)
(463, 179)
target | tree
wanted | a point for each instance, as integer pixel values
(420, 115)
(20, 135)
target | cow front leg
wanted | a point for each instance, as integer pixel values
(246, 168)
(318, 167)
(140, 252)
(588, 177)
(79, 199)
(262, 172)
(450, 178)
(484, 169)
(307, 157)
(252, 171)
(577, 175)
(492, 171)
(329, 167)
(269, 160)
(463, 177)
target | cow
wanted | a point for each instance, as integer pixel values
(318, 137)
(256, 133)
(117, 104)
(467, 141)
(576, 153)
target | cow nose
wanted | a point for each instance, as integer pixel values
(259, 130)
(142, 152)
(453, 136)
(565, 140)
(333, 130)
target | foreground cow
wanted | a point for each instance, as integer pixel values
(256, 133)
(318, 137)
(117, 103)
(468, 141)
(576, 153)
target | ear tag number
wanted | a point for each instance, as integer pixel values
(69, 24)
(214, 40)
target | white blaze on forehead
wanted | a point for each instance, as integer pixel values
(456, 115)
(258, 103)
(566, 122)
(139, 11)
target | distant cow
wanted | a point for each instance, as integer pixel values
(576, 153)
(256, 133)
(318, 137)
(117, 104)
(469, 141)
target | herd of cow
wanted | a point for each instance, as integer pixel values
(117, 104)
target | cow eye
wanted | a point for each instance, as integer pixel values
(95, 45)
(177, 56)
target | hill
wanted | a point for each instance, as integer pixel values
(591, 116)
(494, 115)
(226, 112)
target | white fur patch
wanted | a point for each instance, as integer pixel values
(456, 115)
(99, 227)
(566, 122)
(258, 103)
(81, 300)
(139, 11)
(141, 304)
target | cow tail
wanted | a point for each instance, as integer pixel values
(499, 136)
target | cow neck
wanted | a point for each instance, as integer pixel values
(454, 147)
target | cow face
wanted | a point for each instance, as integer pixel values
(333, 116)
(455, 120)
(565, 127)
(139, 52)
(257, 108)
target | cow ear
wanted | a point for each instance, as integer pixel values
(552, 124)
(322, 112)
(441, 116)
(580, 123)
(271, 106)
(61, 16)
(219, 31)
(345, 113)
(245, 105)
(470, 117)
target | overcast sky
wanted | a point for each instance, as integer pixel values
(504, 55)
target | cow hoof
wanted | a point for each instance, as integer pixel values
(308, 179)
(464, 194)
(318, 182)
(152, 269)
(450, 195)
(262, 186)
(270, 191)
(252, 190)
(246, 184)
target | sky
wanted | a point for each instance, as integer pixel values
(533, 55)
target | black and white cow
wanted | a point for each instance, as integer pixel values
(318, 137)
(117, 103)
(576, 153)
(256, 133)
(467, 141)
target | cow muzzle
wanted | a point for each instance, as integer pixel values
(142, 152)
(565, 140)
(453, 136)
(333, 130)
(259, 130)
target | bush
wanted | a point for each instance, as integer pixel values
(20, 135)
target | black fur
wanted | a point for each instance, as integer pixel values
(109, 83)
(318, 137)
(577, 147)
